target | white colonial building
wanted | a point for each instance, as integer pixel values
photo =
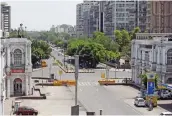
(152, 52)
(2, 79)
(18, 66)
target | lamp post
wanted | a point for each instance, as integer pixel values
(76, 78)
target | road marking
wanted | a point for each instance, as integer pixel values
(88, 83)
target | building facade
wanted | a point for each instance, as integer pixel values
(5, 17)
(159, 16)
(18, 66)
(152, 52)
(2, 78)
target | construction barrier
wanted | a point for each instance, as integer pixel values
(64, 83)
(107, 82)
(57, 83)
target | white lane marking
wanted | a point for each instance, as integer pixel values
(88, 83)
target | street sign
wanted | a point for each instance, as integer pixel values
(150, 88)
(103, 75)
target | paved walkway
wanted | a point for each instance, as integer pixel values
(59, 101)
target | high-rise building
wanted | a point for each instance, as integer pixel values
(5, 17)
(107, 16)
(82, 11)
(141, 12)
(159, 16)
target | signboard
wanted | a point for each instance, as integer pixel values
(150, 83)
(150, 88)
(17, 71)
(150, 76)
(103, 75)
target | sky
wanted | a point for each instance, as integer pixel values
(42, 14)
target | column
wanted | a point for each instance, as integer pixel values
(8, 88)
(26, 61)
(26, 84)
(30, 59)
(29, 84)
(8, 56)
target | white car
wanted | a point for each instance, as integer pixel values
(139, 102)
(166, 114)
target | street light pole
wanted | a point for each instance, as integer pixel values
(76, 78)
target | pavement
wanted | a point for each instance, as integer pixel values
(113, 100)
(59, 98)
(59, 101)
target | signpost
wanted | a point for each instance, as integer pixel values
(76, 77)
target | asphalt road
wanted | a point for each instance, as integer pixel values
(95, 97)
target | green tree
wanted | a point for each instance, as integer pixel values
(133, 33)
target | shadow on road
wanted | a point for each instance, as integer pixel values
(166, 106)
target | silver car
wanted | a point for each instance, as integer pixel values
(140, 102)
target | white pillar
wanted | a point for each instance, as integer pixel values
(26, 61)
(29, 84)
(8, 87)
(8, 56)
(30, 58)
(26, 84)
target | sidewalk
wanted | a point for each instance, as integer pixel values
(59, 101)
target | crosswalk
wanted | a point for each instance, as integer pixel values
(84, 83)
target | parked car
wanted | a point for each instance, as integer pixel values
(140, 102)
(166, 114)
(24, 110)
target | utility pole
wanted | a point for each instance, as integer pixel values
(76, 78)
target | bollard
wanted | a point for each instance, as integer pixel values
(100, 112)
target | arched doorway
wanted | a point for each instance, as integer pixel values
(17, 86)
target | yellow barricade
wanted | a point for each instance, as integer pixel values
(64, 82)
(71, 82)
(105, 81)
(57, 83)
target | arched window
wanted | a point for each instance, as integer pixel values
(169, 57)
(17, 57)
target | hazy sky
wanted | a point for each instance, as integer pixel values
(42, 14)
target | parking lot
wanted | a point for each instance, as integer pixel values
(127, 94)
